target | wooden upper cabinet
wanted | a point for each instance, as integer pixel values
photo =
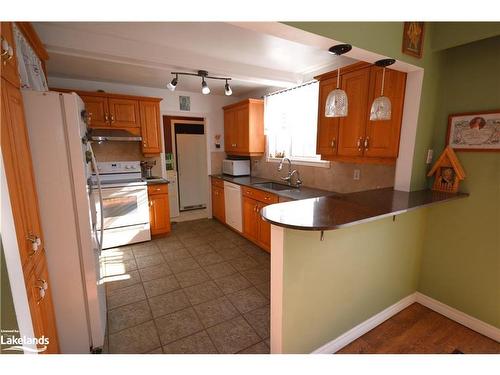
(123, 113)
(150, 127)
(360, 140)
(97, 111)
(20, 178)
(382, 137)
(244, 128)
(9, 64)
(352, 127)
(328, 127)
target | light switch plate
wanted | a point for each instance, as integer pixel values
(430, 154)
(357, 174)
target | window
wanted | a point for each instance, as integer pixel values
(290, 121)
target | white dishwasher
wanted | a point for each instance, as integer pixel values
(232, 202)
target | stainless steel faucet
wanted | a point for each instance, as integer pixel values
(291, 172)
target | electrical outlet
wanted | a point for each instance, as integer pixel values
(357, 174)
(430, 154)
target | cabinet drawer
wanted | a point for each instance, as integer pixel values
(158, 189)
(260, 195)
(218, 182)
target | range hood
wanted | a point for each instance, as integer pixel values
(113, 135)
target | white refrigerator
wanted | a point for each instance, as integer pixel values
(56, 128)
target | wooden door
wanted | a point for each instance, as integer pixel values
(124, 113)
(382, 137)
(20, 178)
(264, 230)
(241, 129)
(218, 205)
(9, 64)
(97, 111)
(328, 127)
(150, 127)
(230, 134)
(42, 310)
(159, 214)
(250, 220)
(352, 127)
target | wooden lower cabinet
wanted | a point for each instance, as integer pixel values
(218, 205)
(159, 209)
(23, 198)
(255, 228)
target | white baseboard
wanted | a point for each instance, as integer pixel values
(362, 328)
(439, 307)
(466, 320)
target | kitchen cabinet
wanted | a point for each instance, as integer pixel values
(244, 128)
(150, 127)
(25, 210)
(123, 113)
(97, 111)
(355, 138)
(218, 205)
(159, 211)
(8, 50)
(255, 228)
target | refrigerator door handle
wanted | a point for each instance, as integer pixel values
(99, 192)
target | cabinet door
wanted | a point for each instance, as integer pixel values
(124, 113)
(97, 111)
(41, 308)
(159, 214)
(382, 137)
(352, 127)
(230, 131)
(328, 127)
(250, 220)
(9, 64)
(19, 172)
(264, 230)
(241, 125)
(218, 206)
(150, 127)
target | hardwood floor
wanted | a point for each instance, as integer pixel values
(419, 330)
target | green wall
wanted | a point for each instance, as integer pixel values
(461, 263)
(333, 285)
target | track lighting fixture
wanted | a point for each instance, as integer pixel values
(204, 86)
(171, 86)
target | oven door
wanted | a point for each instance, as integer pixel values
(124, 206)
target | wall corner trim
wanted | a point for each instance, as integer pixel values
(439, 307)
(460, 317)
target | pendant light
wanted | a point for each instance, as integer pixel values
(336, 102)
(381, 106)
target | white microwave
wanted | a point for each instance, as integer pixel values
(236, 167)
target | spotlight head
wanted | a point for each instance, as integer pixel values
(171, 85)
(227, 89)
(204, 87)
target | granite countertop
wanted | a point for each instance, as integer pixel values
(342, 210)
(156, 181)
(291, 194)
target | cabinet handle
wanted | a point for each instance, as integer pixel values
(359, 143)
(41, 293)
(367, 139)
(44, 284)
(106, 117)
(333, 143)
(112, 118)
(36, 242)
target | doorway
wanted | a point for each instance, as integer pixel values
(186, 163)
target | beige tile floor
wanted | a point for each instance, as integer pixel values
(202, 289)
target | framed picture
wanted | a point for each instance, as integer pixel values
(479, 131)
(184, 103)
(413, 38)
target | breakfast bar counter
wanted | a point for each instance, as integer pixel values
(342, 210)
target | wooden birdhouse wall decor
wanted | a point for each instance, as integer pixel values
(447, 172)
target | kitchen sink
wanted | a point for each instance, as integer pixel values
(274, 186)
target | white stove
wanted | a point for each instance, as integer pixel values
(124, 203)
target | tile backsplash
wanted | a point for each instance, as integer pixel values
(338, 178)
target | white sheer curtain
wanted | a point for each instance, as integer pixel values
(290, 120)
(29, 65)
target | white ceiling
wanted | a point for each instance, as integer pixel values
(146, 53)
